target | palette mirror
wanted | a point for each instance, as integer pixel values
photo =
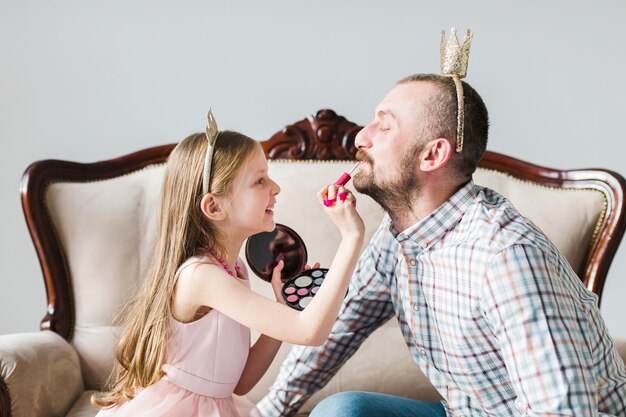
(264, 251)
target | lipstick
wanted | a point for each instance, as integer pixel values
(345, 177)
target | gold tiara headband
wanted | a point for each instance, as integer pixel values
(211, 136)
(454, 58)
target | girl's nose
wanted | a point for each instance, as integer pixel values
(275, 187)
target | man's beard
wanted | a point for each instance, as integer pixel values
(394, 195)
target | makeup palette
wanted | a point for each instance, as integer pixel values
(265, 250)
(300, 290)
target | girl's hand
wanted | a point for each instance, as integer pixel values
(315, 265)
(340, 205)
(277, 284)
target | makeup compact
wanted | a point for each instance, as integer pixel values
(265, 250)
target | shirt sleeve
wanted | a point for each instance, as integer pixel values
(367, 306)
(538, 311)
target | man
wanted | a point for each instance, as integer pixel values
(489, 308)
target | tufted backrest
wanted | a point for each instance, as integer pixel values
(106, 230)
(93, 225)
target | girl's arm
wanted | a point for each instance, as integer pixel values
(259, 360)
(217, 289)
(265, 348)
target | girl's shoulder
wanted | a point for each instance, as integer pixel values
(193, 281)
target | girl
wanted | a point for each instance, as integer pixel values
(185, 342)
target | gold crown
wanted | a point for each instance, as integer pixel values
(454, 57)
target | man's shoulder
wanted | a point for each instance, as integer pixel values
(494, 221)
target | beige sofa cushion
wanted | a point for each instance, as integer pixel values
(567, 216)
(107, 230)
(42, 373)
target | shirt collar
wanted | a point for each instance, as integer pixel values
(434, 226)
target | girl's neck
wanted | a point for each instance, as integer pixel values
(229, 258)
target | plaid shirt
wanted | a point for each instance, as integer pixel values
(490, 310)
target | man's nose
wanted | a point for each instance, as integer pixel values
(362, 139)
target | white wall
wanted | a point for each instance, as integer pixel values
(87, 81)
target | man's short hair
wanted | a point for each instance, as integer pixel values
(442, 119)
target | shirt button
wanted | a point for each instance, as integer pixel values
(416, 307)
(422, 353)
(412, 262)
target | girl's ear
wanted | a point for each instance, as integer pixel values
(212, 207)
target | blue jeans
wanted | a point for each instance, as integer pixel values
(369, 404)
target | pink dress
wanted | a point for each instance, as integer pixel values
(205, 359)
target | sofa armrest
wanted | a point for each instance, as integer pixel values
(39, 375)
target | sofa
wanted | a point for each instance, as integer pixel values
(93, 227)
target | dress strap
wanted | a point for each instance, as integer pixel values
(192, 261)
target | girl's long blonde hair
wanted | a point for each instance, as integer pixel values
(183, 232)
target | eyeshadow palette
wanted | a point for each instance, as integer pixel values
(300, 290)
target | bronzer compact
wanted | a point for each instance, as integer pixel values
(265, 250)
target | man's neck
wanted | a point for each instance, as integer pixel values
(423, 204)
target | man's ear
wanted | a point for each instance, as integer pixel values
(212, 207)
(435, 154)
